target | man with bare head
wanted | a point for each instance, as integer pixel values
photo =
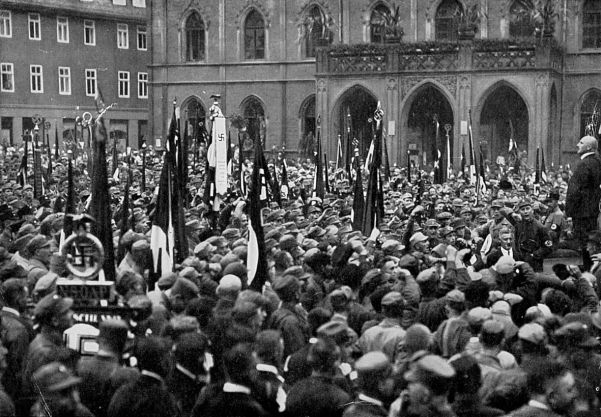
(584, 193)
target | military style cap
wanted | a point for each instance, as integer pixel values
(478, 315)
(372, 362)
(54, 377)
(497, 204)
(51, 306)
(524, 203)
(37, 242)
(431, 370)
(445, 231)
(231, 234)
(167, 280)
(431, 223)
(426, 275)
(493, 326)
(445, 215)
(391, 246)
(417, 237)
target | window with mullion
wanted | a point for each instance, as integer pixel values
(591, 29)
(254, 36)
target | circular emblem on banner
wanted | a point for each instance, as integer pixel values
(553, 227)
(548, 243)
(84, 255)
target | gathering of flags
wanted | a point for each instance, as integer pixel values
(481, 187)
(318, 182)
(373, 211)
(358, 197)
(472, 165)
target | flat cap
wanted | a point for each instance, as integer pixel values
(497, 204)
(431, 223)
(286, 285)
(184, 288)
(417, 237)
(505, 265)
(455, 296)
(430, 369)
(429, 274)
(392, 298)
(493, 327)
(445, 231)
(335, 330)
(533, 333)
(478, 315)
(392, 246)
(445, 215)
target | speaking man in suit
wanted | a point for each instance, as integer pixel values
(584, 193)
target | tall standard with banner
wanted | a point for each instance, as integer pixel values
(220, 143)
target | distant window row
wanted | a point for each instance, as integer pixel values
(62, 30)
(135, 3)
(36, 81)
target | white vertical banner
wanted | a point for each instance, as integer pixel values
(220, 143)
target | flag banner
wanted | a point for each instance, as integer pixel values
(318, 185)
(221, 152)
(22, 174)
(472, 166)
(463, 162)
(436, 156)
(373, 212)
(100, 206)
(258, 199)
(326, 173)
(284, 188)
(276, 190)
(69, 206)
(37, 173)
(339, 152)
(537, 170)
(409, 165)
(56, 153)
(449, 167)
(358, 200)
(387, 174)
(162, 235)
(241, 170)
(482, 188)
(125, 226)
(370, 156)
(543, 168)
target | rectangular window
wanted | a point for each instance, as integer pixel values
(124, 84)
(6, 30)
(7, 73)
(34, 27)
(120, 2)
(142, 38)
(62, 29)
(139, 3)
(142, 85)
(90, 82)
(36, 79)
(89, 32)
(64, 80)
(122, 36)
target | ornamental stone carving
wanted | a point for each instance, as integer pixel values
(449, 82)
(198, 6)
(321, 85)
(391, 84)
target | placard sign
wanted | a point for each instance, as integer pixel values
(220, 143)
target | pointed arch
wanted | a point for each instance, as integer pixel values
(591, 24)
(254, 35)
(590, 99)
(193, 36)
(307, 115)
(446, 23)
(253, 110)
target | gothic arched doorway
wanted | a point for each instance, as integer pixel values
(428, 106)
(194, 115)
(504, 114)
(354, 110)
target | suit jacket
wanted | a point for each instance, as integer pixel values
(582, 199)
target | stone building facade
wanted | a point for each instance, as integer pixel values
(54, 54)
(289, 66)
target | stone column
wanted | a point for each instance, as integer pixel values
(392, 114)
(540, 124)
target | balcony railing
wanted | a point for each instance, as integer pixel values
(476, 55)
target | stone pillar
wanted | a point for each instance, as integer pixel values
(539, 131)
(464, 104)
(132, 133)
(392, 114)
(414, 22)
(322, 113)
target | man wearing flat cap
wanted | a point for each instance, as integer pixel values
(584, 194)
(290, 318)
(40, 250)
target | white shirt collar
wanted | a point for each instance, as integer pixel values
(263, 367)
(11, 310)
(584, 155)
(152, 375)
(538, 404)
(370, 400)
(236, 388)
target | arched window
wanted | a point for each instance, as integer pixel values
(253, 112)
(376, 23)
(195, 38)
(308, 117)
(520, 24)
(254, 36)
(196, 119)
(591, 24)
(447, 17)
(591, 102)
(317, 32)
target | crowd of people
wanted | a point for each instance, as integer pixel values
(448, 308)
